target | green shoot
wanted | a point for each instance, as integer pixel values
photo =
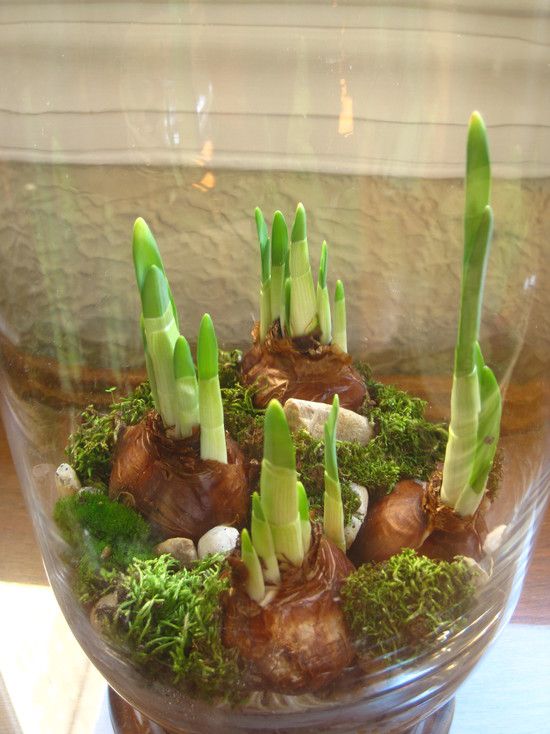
(255, 586)
(323, 301)
(187, 389)
(340, 338)
(161, 333)
(213, 444)
(278, 479)
(475, 397)
(487, 438)
(279, 254)
(333, 508)
(303, 306)
(146, 253)
(149, 364)
(266, 318)
(287, 299)
(263, 542)
(305, 520)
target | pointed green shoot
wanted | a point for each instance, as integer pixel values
(266, 318)
(278, 447)
(149, 365)
(279, 255)
(263, 542)
(478, 180)
(146, 253)
(303, 307)
(279, 240)
(475, 398)
(286, 310)
(160, 335)
(333, 520)
(187, 389)
(155, 297)
(255, 586)
(305, 520)
(339, 335)
(323, 300)
(278, 479)
(213, 444)
(265, 247)
(473, 282)
(487, 438)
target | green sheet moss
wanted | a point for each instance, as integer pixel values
(399, 604)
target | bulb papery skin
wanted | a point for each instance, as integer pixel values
(453, 534)
(413, 516)
(397, 521)
(301, 368)
(298, 642)
(181, 494)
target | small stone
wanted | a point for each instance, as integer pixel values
(311, 417)
(66, 480)
(481, 576)
(494, 539)
(103, 611)
(220, 539)
(182, 549)
(351, 530)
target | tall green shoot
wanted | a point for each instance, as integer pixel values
(333, 519)
(279, 255)
(213, 445)
(266, 318)
(303, 305)
(323, 300)
(278, 491)
(340, 336)
(475, 396)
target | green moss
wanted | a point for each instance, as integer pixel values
(403, 434)
(172, 621)
(105, 535)
(243, 420)
(403, 601)
(90, 447)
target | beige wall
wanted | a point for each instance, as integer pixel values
(67, 284)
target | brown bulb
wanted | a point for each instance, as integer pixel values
(395, 522)
(298, 642)
(301, 368)
(180, 493)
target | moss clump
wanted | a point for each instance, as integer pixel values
(403, 434)
(243, 420)
(106, 536)
(403, 601)
(172, 621)
(90, 447)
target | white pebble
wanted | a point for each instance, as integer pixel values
(311, 417)
(494, 539)
(220, 539)
(66, 480)
(351, 530)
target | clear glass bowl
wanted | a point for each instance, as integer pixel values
(190, 115)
